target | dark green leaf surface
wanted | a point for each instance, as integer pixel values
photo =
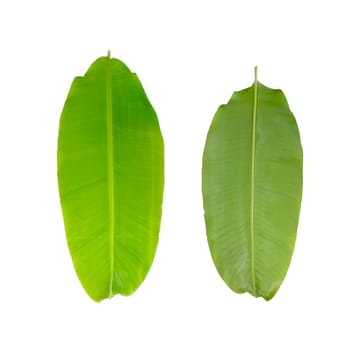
(110, 175)
(252, 189)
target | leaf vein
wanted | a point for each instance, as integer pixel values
(253, 156)
(109, 121)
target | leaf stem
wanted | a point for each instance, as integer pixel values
(255, 71)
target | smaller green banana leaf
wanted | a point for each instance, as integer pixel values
(110, 176)
(252, 189)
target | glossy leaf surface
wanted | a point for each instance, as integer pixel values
(252, 189)
(110, 175)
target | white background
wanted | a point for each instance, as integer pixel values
(190, 56)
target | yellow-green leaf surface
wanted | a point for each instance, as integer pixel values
(252, 189)
(110, 176)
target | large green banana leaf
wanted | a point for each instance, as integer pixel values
(252, 189)
(110, 175)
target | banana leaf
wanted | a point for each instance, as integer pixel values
(252, 189)
(110, 177)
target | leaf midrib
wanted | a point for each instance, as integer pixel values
(109, 128)
(253, 155)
